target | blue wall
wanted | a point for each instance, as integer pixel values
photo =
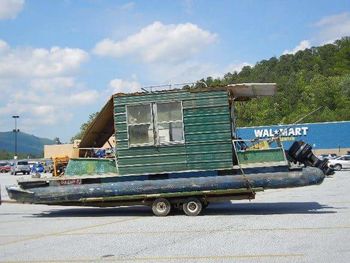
(323, 135)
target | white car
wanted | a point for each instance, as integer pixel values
(339, 163)
(328, 156)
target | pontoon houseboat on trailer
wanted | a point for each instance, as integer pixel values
(175, 149)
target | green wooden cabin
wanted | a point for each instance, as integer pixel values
(176, 130)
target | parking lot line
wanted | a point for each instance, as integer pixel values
(172, 258)
(215, 230)
(186, 231)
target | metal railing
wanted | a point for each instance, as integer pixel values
(257, 143)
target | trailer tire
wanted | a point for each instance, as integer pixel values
(337, 167)
(161, 207)
(192, 207)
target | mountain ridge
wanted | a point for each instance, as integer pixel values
(26, 143)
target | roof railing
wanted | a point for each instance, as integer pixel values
(171, 86)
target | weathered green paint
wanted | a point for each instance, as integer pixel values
(207, 133)
(259, 156)
(90, 166)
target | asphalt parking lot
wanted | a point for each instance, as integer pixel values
(310, 224)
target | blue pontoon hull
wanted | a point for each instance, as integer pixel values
(80, 193)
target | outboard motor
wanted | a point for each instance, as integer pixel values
(302, 152)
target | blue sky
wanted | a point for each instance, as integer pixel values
(62, 60)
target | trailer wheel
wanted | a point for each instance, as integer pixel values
(192, 207)
(161, 207)
(337, 167)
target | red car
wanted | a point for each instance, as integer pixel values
(5, 167)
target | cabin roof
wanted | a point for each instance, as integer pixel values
(239, 91)
(100, 129)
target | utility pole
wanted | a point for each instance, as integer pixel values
(15, 131)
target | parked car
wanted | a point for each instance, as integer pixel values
(328, 156)
(37, 168)
(48, 166)
(5, 167)
(20, 167)
(339, 163)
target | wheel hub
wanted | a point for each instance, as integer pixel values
(161, 206)
(192, 206)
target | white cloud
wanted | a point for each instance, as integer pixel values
(40, 85)
(42, 110)
(3, 46)
(168, 53)
(123, 86)
(127, 6)
(51, 84)
(83, 97)
(39, 109)
(186, 72)
(328, 29)
(9, 9)
(237, 67)
(332, 28)
(39, 62)
(159, 43)
(304, 44)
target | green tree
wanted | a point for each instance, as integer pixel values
(84, 126)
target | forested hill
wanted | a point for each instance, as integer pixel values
(319, 76)
(27, 144)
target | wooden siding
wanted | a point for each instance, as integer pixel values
(207, 134)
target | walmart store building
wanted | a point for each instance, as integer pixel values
(324, 137)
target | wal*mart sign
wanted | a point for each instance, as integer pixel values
(321, 135)
(296, 131)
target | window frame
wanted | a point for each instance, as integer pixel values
(138, 124)
(154, 122)
(166, 122)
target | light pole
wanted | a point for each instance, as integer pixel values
(15, 131)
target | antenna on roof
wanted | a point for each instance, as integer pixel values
(169, 86)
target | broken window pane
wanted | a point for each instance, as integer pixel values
(170, 111)
(141, 134)
(170, 132)
(139, 114)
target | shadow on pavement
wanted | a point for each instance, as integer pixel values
(96, 212)
(269, 208)
(226, 208)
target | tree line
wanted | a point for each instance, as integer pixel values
(312, 78)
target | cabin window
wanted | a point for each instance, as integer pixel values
(169, 122)
(140, 125)
(155, 124)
